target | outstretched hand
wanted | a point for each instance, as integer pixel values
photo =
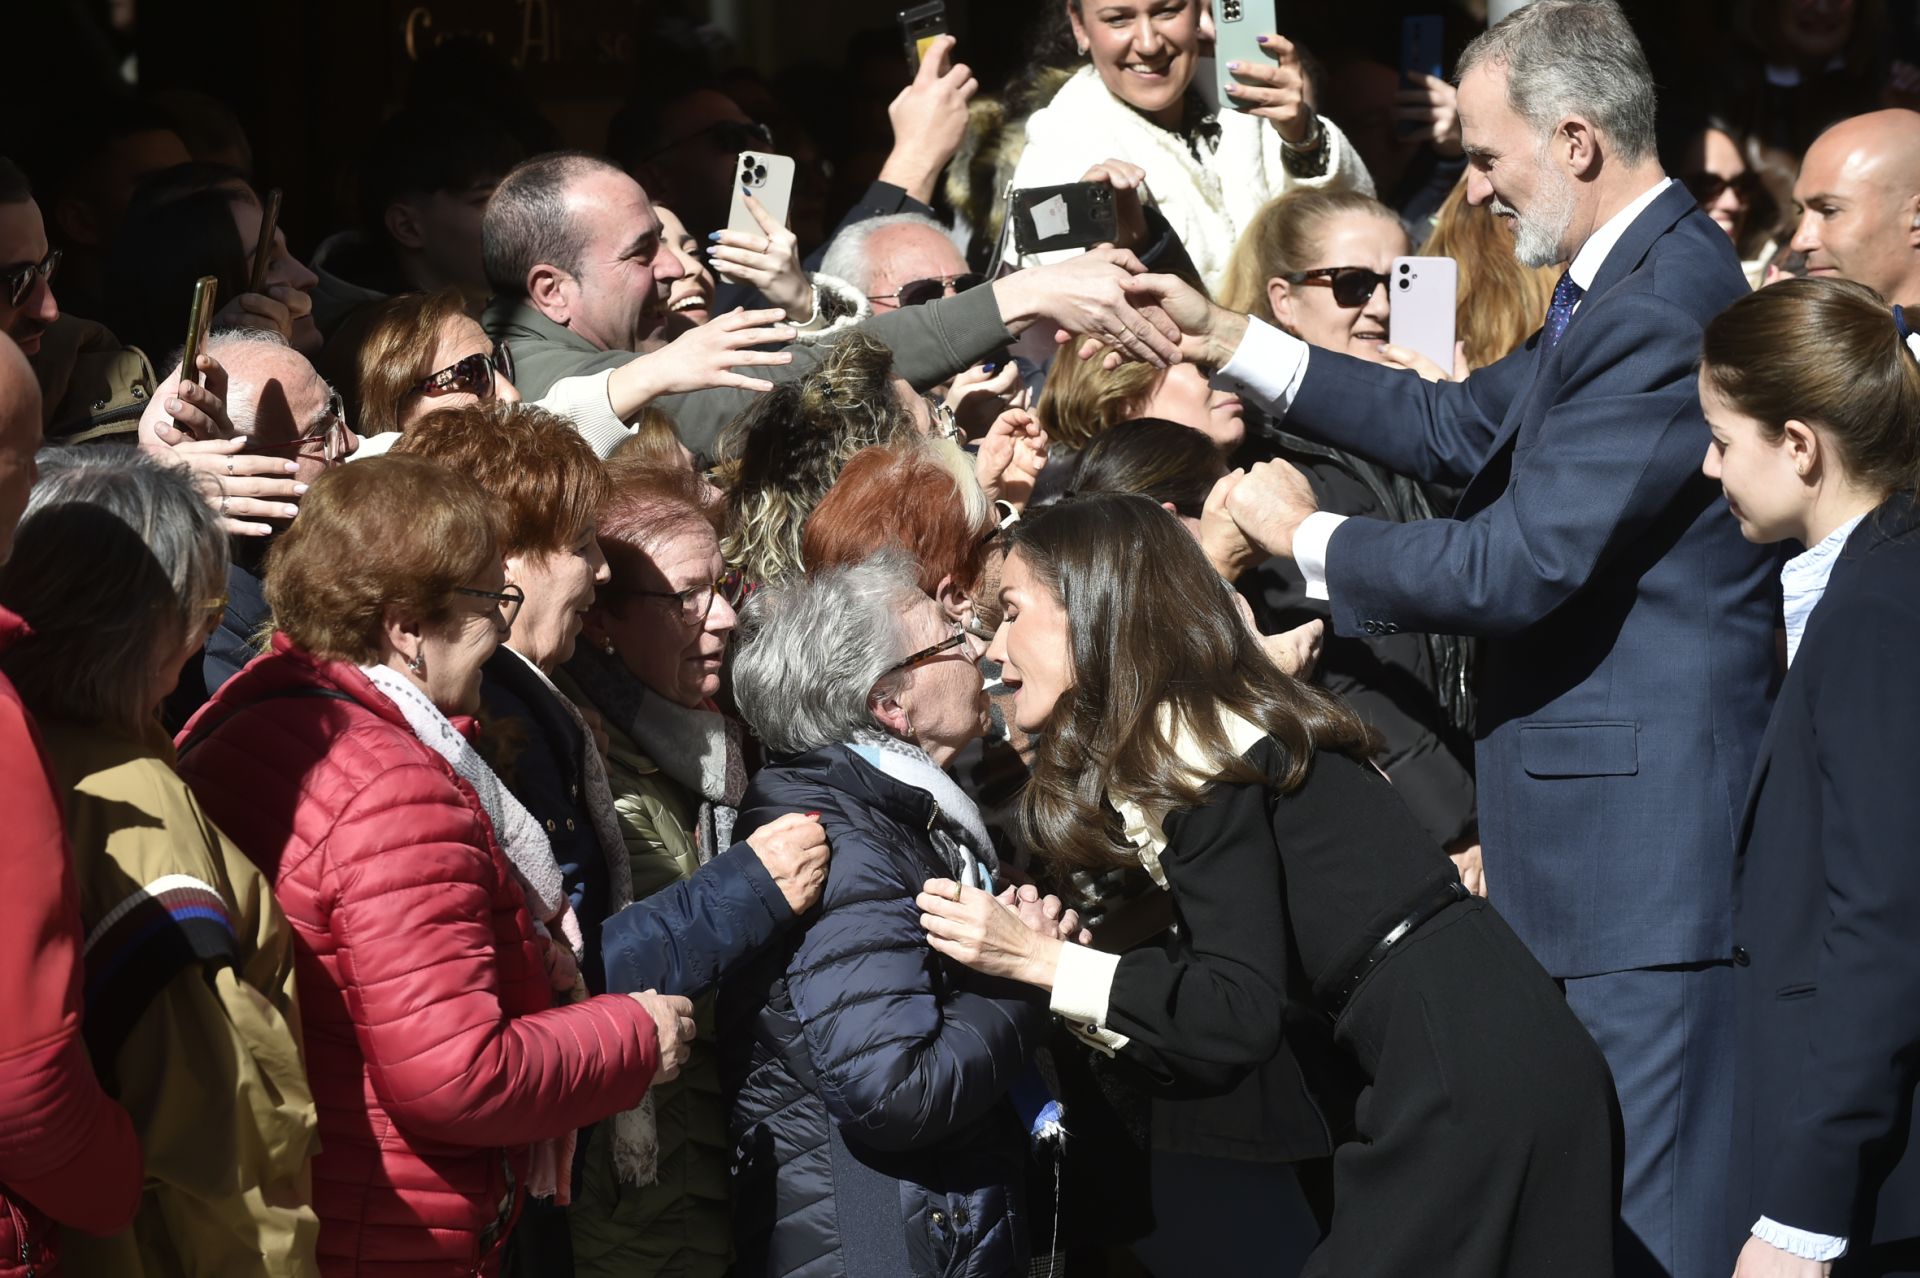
(702, 358)
(1096, 293)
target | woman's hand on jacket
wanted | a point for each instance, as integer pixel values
(673, 1022)
(794, 851)
(986, 934)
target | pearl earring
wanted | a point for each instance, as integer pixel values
(608, 648)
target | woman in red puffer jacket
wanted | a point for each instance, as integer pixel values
(67, 1152)
(444, 1077)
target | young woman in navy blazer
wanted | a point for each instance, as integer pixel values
(1812, 392)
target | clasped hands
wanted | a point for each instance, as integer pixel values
(1017, 934)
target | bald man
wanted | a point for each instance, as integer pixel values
(284, 411)
(1859, 202)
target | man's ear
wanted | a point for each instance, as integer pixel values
(1912, 211)
(1280, 302)
(1575, 140)
(551, 291)
(403, 226)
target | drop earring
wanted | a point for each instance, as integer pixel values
(607, 647)
(418, 664)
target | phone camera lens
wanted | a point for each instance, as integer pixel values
(760, 172)
(1405, 269)
(1406, 284)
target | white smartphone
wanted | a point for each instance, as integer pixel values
(770, 178)
(1423, 293)
(1238, 26)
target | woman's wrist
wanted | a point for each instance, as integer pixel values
(1042, 962)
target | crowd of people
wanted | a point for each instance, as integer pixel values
(570, 737)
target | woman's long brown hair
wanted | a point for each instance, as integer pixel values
(1151, 626)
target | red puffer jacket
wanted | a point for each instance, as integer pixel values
(434, 1054)
(67, 1151)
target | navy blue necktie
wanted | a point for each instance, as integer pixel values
(1566, 296)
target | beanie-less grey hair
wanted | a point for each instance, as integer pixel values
(1573, 57)
(810, 651)
(118, 559)
(850, 256)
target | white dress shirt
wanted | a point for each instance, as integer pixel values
(1270, 365)
(1804, 580)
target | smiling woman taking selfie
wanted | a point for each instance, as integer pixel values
(1812, 391)
(1135, 102)
(1166, 739)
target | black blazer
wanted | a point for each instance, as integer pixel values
(1827, 913)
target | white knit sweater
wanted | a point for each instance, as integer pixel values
(1208, 204)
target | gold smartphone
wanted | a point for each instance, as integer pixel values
(199, 319)
(263, 251)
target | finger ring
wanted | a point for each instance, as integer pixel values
(223, 505)
(956, 892)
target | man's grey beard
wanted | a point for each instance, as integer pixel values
(1537, 236)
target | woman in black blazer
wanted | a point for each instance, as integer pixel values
(1165, 739)
(1812, 391)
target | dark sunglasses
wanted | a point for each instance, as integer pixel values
(1708, 187)
(727, 135)
(920, 292)
(18, 280)
(472, 375)
(1352, 285)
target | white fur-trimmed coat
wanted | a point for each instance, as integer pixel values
(1208, 204)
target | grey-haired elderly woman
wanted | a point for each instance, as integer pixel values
(872, 1130)
(191, 1019)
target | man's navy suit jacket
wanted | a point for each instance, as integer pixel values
(1629, 648)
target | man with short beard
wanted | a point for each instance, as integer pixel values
(1627, 627)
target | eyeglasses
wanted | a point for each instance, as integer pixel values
(1708, 187)
(954, 640)
(471, 376)
(330, 436)
(920, 292)
(942, 421)
(508, 600)
(695, 602)
(18, 280)
(1352, 285)
(728, 135)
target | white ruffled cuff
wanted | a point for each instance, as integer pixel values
(1798, 1242)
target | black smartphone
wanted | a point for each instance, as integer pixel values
(920, 26)
(1076, 215)
(1422, 53)
(263, 250)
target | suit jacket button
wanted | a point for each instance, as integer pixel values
(1740, 956)
(550, 825)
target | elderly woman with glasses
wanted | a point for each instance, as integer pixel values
(191, 1016)
(872, 1126)
(447, 1083)
(649, 664)
(552, 489)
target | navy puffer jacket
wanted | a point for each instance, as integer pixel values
(872, 1135)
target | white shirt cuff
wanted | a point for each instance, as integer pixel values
(587, 402)
(1082, 984)
(1310, 542)
(1798, 1242)
(1269, 365)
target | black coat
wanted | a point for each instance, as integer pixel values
(540, 754)
(872, 1133)
(1826, 902)
(1484, 1114)
(1413, 689)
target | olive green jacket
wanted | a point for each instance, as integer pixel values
(681, 1225)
